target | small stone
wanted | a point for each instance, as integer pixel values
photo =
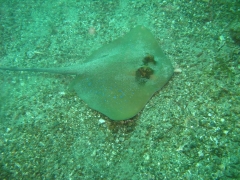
(200, 153)
(101, 121)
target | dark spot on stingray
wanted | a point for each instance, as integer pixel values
(149, 59)
(143, 74)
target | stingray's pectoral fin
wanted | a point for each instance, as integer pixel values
(76, 80)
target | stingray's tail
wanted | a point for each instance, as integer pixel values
(63, 70)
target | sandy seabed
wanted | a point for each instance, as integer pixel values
(188, 130)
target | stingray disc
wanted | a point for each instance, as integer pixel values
(120, 77)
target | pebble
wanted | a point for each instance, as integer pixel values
(101, 121)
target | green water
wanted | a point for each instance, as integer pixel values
(188, 130)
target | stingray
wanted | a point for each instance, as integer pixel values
(119, 78)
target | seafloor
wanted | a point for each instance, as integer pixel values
(188, 130)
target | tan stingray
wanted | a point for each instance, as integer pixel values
(119, 78)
